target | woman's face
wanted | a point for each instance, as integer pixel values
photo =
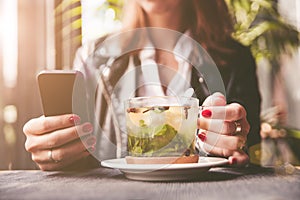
(159, 6)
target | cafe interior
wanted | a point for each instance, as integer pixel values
(45, 34)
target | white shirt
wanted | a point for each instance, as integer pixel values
(150, 71)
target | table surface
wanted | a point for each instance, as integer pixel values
(103, 183)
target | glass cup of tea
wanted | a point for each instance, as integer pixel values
(161, 129)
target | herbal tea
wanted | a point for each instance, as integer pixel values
(161, 131)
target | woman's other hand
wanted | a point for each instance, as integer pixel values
(58, 141)
(224, 129)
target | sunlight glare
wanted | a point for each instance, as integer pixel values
(9, 37)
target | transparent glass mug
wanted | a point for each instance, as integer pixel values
(161, 129)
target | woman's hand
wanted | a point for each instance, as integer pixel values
(224, 129)
(58, 141)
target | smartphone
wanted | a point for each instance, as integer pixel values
(59, 90)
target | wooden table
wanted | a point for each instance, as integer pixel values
(103, 183)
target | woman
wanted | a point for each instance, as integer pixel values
(54, 143)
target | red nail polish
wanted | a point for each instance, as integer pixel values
(87, 128)
(206, 113)
(75, 119)
(234, 161)
(91, 149)
(202, 136)
(91, 141)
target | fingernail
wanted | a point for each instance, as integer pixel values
(206, 113)
(87, 128)
(91, 141)
(74, 119)
(91, 149)
(234, 161)
(202, 136)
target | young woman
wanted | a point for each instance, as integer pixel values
(55, 144)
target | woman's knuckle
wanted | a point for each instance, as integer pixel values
(26, 128)
(30, 145)
(45, 124)
(239, 111)
(52, 140)
(55, 141)
(226, 153)
(59, 154)
(27, 145)
(34, 158)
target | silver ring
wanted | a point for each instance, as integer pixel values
(50, 156)
(238, 127)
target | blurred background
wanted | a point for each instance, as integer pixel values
(45, 34)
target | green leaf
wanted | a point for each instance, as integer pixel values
(165, 141)
(259, 25)
(294, 133)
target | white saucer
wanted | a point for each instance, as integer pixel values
(164, 172)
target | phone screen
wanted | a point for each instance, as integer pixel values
(56, 91)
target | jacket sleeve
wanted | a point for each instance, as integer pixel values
(243, 88)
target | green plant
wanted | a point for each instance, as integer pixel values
(258, 24)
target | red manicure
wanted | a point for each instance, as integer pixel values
(74, 119)
(91, 149)
(87, 128)
(234, 161)
(206, 113)
(202, 136)
(91, 141)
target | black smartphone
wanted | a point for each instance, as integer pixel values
(59, 90)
